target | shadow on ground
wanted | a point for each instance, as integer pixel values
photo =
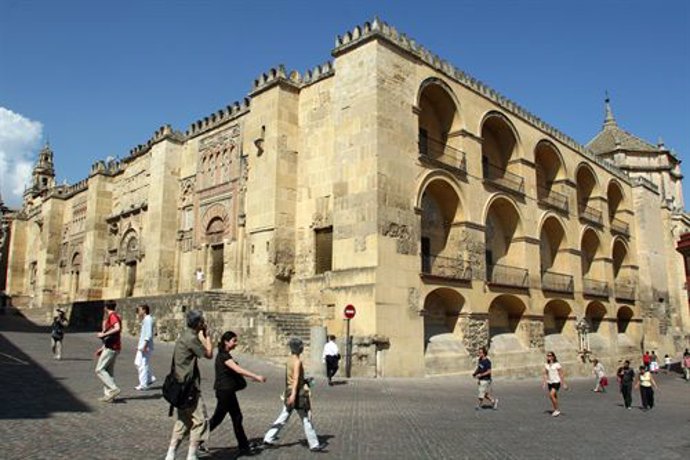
(27, 390)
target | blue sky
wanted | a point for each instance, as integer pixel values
(98, 78)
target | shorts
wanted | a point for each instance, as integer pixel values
(484, 388)
(554, 386)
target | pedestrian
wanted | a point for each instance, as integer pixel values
(483, 375)
(194, 343)
(57, 333)
(667, 363)
(646, 359)
(296, 398)
(331, 356)
(645, 382)
(229, 380)
(553, 378)
(626, 376)
(654, 363)
(107, 354)
(686, 365)
(600, 379)
(199, 278)
(142, 361)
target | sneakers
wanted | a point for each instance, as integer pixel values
(203, 449)
(141, 388)
(495, 404)
(111, 396)
(318, 448)
(556, 413)
(152, 381)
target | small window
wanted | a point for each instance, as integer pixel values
(323, 239)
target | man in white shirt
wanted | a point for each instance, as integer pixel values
(144, 348)
(200, 278)
(331, 356)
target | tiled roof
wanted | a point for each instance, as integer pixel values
(612, 137)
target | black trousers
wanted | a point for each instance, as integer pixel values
(228, 404)
(626, 390)
(331, 366)
(647, 396)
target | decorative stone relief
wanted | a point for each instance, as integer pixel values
(187, 186)
(533, 331)
(474, 253)
(413, 300)
(406, 243)
(475, 333)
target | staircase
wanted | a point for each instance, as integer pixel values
(247, 309)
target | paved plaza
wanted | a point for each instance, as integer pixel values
(49, 410)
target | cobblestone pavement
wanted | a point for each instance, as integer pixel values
(49, 410)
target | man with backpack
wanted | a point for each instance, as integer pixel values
(194, 343)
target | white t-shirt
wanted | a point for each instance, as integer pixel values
(552, 372)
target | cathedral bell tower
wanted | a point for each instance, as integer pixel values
(43, 175)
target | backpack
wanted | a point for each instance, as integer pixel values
(180, 394)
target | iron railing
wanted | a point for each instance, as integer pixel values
(590, 214)
(438, 154)
(625, 290)
(553, 199)
(504, 275)
(557, 282)
(620, 227)
(446, 267)
(595, 287)
(504, 179)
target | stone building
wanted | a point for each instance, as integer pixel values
(450, 216)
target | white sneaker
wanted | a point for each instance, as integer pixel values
(141, 388)
(556, 413)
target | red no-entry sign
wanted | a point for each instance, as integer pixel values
(349, 311)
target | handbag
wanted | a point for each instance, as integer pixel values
(604, 381)
(238, 382)
(183, 394)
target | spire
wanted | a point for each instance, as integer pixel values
(609, 120)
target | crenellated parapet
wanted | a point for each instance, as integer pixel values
(380, 29)
(67, 191)
(165, 132)
(222, 116)
(293, 79)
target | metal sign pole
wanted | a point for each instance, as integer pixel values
(348, 348)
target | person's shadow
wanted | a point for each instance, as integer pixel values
(228, 453)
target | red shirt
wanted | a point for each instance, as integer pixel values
(113, 340)
(646, 359)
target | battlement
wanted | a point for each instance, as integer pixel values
(380, 29)
(163, 133)
(230, 112)
(67, 191)
(278, 75)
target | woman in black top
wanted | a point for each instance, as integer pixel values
(229, 380)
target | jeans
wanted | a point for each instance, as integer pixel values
(272, 433)
(105, 370)
(626, 390)
(228, 404)
(142, 362)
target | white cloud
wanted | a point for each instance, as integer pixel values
(19, 139)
